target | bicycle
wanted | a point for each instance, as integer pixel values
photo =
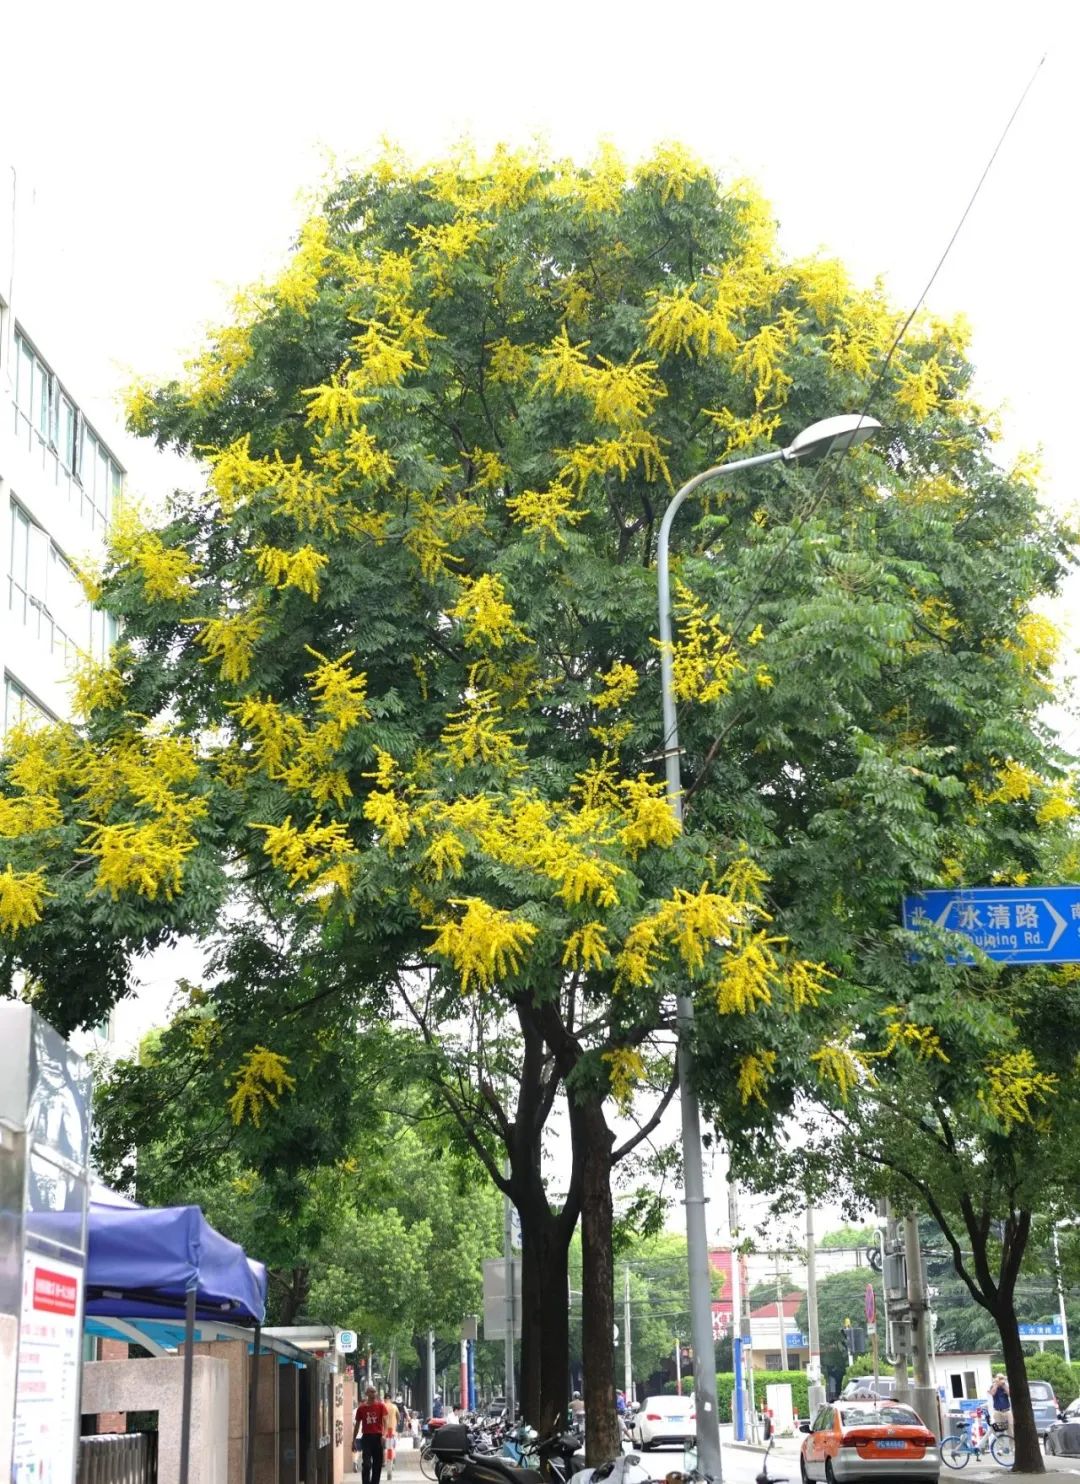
(957, 1448)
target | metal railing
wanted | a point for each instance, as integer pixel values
(118, 1458)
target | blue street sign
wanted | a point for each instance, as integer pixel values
(1010, 924)
(1051, 1331)
(795, 1340)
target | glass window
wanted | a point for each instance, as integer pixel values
(20, 542)
(26, 376)
(40, 412)
(20, 708)
(65, 433)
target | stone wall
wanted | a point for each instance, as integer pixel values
(157, 1385)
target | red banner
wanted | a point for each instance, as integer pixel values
(55, 1293)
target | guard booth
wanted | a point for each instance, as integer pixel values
(44, 1156)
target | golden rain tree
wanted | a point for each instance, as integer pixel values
(390, 672)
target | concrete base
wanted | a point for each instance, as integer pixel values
(925, 1401)
(158, 1386)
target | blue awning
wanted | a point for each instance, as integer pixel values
(144, 1262)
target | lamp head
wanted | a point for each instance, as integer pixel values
(831, 435)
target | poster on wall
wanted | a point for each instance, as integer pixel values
(47, 1385)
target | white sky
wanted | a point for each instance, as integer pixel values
(167, 146)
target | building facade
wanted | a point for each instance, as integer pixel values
(60, 482)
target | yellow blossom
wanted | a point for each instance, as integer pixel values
(299, 569)
(918, 388)
(543, 512)
(620, 685)
(485, 945)
(755, 1069)
(475, 734)
(303, 854)
(807, 983)
(1013, 1084)
(836, 1067)
(704, 659)
(747, 973)
(260, 1079)
(672, 170)
(22, 899)
(445, 856)
(339, 694)
(626, 1068)
(586, 948)
(648, 815)
(234, 475)
(485, 615)
(232, 641)
(508, 363)
(1056, 805)
(338, 402)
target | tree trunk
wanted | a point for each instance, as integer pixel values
(1029, 1459)
(545, 1320)
(295, 1295)
(602, 1432)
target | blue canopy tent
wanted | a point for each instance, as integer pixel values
(162, 1269)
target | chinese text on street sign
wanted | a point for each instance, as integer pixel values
(1010, 924)
(1049, 1331)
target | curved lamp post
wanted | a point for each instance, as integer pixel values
(831, 435)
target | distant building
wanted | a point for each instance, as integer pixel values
(766, 1350)
(60, 482)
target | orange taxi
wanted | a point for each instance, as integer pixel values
(862, 1439)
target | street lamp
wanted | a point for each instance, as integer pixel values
(832, 434)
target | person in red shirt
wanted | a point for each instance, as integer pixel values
(369, 1427)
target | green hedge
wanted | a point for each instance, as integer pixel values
(725, 1385)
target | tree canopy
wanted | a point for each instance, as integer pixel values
(390, 676)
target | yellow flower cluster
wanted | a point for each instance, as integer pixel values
(317, 854)
(755, 1069)
(485, 945)
(621, 456)
(231, 641)
(299, 569)
(543, 513)
(487, 619)
(476, 734)
(703, 656)
(623, 396)
(22, 898)
(1013, 1084)
(626, 1068)
(586, 948)
(260, 1081)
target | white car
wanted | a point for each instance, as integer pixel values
(664, 1419)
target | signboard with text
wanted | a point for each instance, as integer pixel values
(47, 1384)
(1010, 924)
(1049, 1331)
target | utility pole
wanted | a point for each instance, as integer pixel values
(678, 1367)
(924, 1397)
(739, 1399)
(510, 1316)
(748, 1363)
(892, 1268)
(1061, 1298)
(628, 1371)
(430, 1398)
(780, 1314)
(815, 1390)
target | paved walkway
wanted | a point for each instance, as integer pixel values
(786, 1451)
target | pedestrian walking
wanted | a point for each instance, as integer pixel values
(369, 1429)
(390, 1436)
